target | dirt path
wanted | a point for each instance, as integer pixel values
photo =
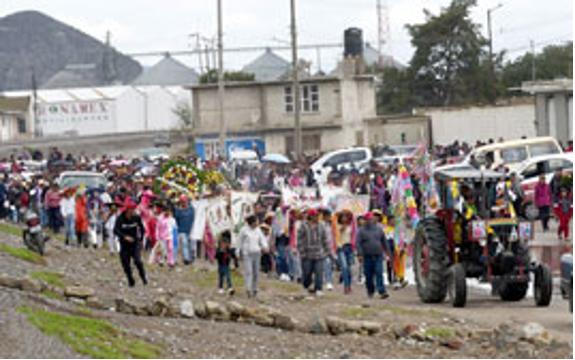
(196, 338)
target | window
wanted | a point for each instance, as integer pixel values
(21, 125)
(514, 155)
(534, 170)
(309, 99)
(356, 156)
(543, 149)
(336, 160)
(557, 164)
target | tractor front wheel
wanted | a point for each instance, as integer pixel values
(431, 261)
(543, 286)
(458, 286)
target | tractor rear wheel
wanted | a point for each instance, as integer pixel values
(513, 291)
(431, 261)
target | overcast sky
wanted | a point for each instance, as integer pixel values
(154, 25)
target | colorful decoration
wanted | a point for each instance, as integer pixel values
(181, 177)
(403, 204)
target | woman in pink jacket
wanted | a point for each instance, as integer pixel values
(543, 201)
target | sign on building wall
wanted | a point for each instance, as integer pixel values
(62, 117)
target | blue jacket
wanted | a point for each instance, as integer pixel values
(185, 219)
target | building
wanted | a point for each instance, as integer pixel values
(268, 67)
(553, 108)
(106, 110)
(333, 112)
(168, 72)
(15, 118)
(509, 120)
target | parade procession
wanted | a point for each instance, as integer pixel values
(408, 197)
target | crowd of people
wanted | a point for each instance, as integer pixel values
(317, 247)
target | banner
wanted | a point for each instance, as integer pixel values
(300, 197)
(357, 204)
(242, 207)
(330, 195)
(218, 217)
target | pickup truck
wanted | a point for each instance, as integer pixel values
(567, 278)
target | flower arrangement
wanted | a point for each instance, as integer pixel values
(180, 177)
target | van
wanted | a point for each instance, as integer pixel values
(347, 159)
(512, 154)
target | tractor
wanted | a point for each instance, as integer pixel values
(475, 234)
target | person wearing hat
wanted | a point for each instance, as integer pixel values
(313, 248)
(345, 246)
(185, 216)
(130, 232)
(372, 247)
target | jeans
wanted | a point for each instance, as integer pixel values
(312, 268)
(251, 272)
(70, 225)
(373, 270)
(224, 273)
(54, 219)
(44, 218)
(328, 270)
(345, 259)
(186, 245)
(544, 215)
(282, 266)
(390, 270)
(294, 263)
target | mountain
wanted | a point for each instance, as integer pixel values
(56, 53)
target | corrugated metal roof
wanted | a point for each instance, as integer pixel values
(168, 72)
(268, 67)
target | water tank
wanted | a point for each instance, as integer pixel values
(353, 42)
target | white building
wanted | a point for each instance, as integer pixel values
(510, 121)
(107, 110)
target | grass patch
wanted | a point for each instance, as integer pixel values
(89, 337)
(282, 286)
(439, 333)
(10, 229)
(209, 279)
(52, 295)
(50, 278)
(23, 254)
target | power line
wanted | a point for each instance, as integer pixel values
(543, 42)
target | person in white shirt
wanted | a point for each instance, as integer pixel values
(112, 239)
(251, 243)
(68, 211)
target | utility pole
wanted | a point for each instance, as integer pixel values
(295, 84)
(533, 65)
(221, 88)
(491, 62)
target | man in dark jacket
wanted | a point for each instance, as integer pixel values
(372, 248)
(185, 216)
(313, 248)
(130, 232)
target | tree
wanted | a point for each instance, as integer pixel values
(554, 62)
(450, 65)
(394, 95)
(183, 111)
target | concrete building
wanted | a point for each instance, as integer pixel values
(510, 120)
(400, 129)
(16, 118)
(553, 108)
(333, 112)
(106, 110)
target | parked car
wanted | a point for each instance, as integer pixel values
(90, 180)
(567, 279)
(341, 159)
(162, 140)
(530, 171)
(389, 155)
(513, 153)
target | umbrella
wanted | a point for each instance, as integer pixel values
(276, 158)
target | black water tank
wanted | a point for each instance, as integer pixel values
(353, 42)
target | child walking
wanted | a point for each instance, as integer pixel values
(224, 256)
(564, 212)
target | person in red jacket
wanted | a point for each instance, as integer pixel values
(82, 217)
(564, 212)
